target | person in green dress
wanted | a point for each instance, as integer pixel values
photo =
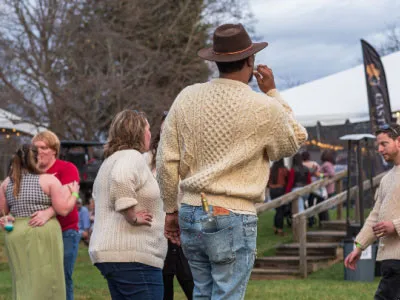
(35, 253)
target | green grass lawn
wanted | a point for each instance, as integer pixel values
(323, 285)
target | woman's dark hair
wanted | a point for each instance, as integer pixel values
(297, 165)
(156, 140)
(328, 155)
(305, 155)
(297, 160)
(275, 170)
(24, 161)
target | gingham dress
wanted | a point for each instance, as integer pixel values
(31, 197)
(35, 254)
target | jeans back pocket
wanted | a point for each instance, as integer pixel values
(220, 246)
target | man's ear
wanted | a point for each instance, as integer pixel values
(397, 141)
(250, 61)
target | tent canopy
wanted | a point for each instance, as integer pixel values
(341, 96)
(11, 121)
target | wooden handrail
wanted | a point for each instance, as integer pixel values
(289, 197)
(339, 198)
(300, 219)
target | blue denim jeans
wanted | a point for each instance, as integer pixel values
(132, 280)
(221, 261)
(300, 203)
(71, 240)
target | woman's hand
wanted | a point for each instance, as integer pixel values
(143, 217)
(73, 187)
(137, 218)
(5, 219)
(41, 217)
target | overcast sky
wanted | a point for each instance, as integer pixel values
(310, 39)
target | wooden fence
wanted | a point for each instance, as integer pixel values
(300, 219)
(292, 197)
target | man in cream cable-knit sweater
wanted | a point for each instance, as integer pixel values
(384, 220)
(218, 139)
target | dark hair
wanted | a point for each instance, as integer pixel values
(297, 160)
(154, 144)
(392, 130)
(275, 170)
(298, 167)
(305, 155)
(328, 155)
(24, 161)
(231, 67)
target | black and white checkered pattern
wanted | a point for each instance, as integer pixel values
(31, 197)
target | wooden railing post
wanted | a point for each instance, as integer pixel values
(339, 207)
(295, 210)
(302, 229)
(295, 229)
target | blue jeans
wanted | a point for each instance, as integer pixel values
(71, 240)
(221, 261)
(132, 280)
(300, 203)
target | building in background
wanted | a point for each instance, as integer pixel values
(13, 132)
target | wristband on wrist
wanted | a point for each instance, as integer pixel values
(173, 213)
(75, 194)
(358, 245)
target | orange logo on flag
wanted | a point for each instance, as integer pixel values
(373, 75)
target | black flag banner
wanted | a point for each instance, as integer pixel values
(377, 90)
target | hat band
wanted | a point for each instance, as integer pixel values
(236, 52)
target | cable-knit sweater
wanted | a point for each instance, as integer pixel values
(386, 208)
(218, 139)
(124, 180)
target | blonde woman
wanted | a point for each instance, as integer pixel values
(127, 244)
(35, 253)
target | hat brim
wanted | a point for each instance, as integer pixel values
(209, 54)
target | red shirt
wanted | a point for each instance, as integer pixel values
(66, 172)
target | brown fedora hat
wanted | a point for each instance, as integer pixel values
(231, 42)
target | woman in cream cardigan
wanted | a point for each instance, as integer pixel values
(127, 243)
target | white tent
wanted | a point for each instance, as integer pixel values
(335, 98)
(13, 122)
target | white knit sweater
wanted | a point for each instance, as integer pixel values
(218, 139)
(386, 208)
(124, 180)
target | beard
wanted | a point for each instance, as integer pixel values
(250, 77)
(390, 157)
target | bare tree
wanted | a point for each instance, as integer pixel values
(72, 64)
(392, 41)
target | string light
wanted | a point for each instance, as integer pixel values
(10, 132)
(324, 145)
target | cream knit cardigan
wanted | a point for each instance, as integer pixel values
(386, 208)
(124, 180)
(218, 138)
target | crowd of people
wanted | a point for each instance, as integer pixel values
(147, 220)
(303, 171)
